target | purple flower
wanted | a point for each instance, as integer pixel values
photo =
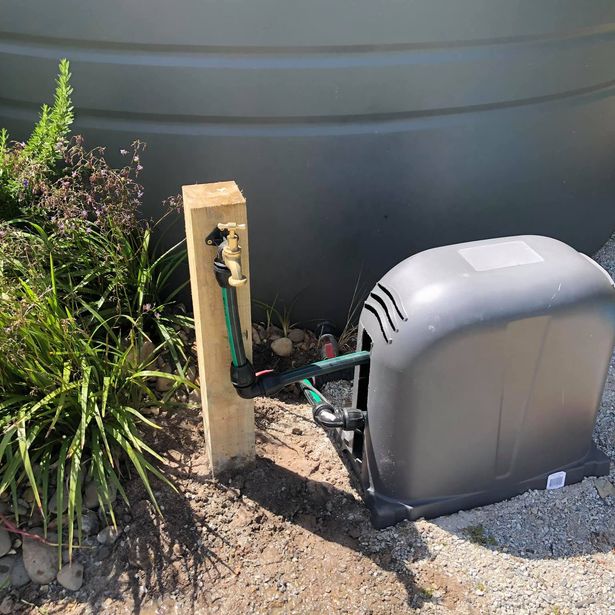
(147, 307)
(26, 183)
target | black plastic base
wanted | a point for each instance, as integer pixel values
(386, 511)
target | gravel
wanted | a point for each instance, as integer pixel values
(338, 392)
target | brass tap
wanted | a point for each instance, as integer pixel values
(231, 253)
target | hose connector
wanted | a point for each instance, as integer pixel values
(329, 417)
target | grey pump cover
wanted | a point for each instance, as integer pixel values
(488, 361)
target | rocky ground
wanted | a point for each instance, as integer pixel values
(290, 535)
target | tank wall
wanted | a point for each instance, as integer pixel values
(360, 132)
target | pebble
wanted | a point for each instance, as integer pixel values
(192, 373)
(274, 333)
(604, 487)
(40, 560)
(108, 535)
(256, 338)
(7, 606)
(151, 411)
(71, 576)
(5, 542)
(90, 523)
(296, 336)
(164, 384)
(282, 346)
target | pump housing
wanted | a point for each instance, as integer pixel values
(487, 365)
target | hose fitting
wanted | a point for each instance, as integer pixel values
(329, 417)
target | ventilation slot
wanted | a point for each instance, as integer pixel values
(374, 311)
(381, 301)
(395, 303)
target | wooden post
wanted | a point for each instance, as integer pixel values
(229, 419)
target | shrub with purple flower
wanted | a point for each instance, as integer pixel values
(83, 291)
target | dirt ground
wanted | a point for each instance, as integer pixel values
(288, 535)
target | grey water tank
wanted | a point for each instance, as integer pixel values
(488, 361)
(347, 123)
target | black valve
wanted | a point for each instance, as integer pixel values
(353, 418)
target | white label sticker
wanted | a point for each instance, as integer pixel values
(500, 255)
(556, 480)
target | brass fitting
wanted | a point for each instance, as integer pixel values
(231, 253)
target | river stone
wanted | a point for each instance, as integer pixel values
(164, 384)
(6, 566)
(90, 495)
(40, 560)
(89, 523)
(5, 542)
(283, 347)
(71, 576)
(144, 356)
(19, 574)
(107, 536)
(296, 336)
(274, 333)
(146, 353)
